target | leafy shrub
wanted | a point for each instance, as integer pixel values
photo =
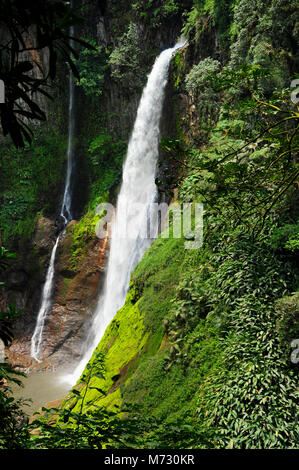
(106, 155)
(196, 80)
(83, 232)
(13, 433)
(286, 237)
(259, 22)
(157, 12)
(92, 65)
(125, 59)
(206, 99)
(287, 309)
(218, 13)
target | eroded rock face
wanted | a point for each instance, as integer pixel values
(75, 294)
(25, 277)
(75, 298)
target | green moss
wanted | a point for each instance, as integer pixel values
(83, 232)
(125, 337)
(135, 344)
(65, 287)
(178, 66)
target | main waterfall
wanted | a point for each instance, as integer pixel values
(137, 192)
(65, 213)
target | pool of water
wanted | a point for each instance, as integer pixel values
(41, 388)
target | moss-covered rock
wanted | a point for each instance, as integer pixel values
(124, 339)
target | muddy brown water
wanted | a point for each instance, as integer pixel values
(41, 387)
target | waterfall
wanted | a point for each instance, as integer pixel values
(36, 340)
(65, 213)
(138, 190)
(67, 196)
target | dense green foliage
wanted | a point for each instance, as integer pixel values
(91, 65)
(212, 13)
(157, 12)
(13, 433)
(125, 59)
(198, 85)
(30, 184)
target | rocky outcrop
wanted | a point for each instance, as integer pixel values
(25, 277)
(74, 298)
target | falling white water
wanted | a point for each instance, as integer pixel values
(138, 188)
(67, 196)
(65, 213)
(36, 340)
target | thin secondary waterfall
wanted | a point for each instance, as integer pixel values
(137, 192)
(36, 340)
(65, 213)
(67, 195)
